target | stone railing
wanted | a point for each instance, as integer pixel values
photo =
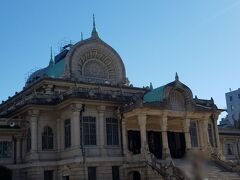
(228, 165)
(165, 168)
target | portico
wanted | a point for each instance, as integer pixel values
(172, 129)
(169, 124)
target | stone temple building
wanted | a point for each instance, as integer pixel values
(79, 118)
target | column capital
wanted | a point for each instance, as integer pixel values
(163, 123)
(101, 108)
(76, 107)
(34, 112)
(142, 119)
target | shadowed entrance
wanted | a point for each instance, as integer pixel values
(177, 145)
(5, 173)
(155, 143)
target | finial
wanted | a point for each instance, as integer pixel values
(176, 77)
(94, 31)
(151, 86)
(51, 58)
(81, 36)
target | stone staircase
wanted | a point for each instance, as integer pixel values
(211, 171)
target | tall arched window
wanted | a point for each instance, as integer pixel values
(28, 140)
(47, 138)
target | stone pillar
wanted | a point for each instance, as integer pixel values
(59, 128)
(219, 149)
(18, 150)
(205, 132)
(75, 125)
(142, 121)
(124, 138)
(34, 133)
(165, 149)
(186, 124)
(101, 128)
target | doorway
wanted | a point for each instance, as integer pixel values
(155, 143)
(134, 141)
(5, 173)
(134, 175)
(177, 144)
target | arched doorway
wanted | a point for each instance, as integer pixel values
(134, 175)
(5, 173)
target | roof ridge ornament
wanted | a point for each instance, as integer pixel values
(81, 36)
(51, 62)
(176, 77)
(151, 86)
(94, 31)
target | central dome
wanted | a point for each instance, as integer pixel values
(92, 60)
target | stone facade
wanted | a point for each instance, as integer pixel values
(89, 123)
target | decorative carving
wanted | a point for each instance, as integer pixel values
(94, 68)
(176, 101)
(94, 61)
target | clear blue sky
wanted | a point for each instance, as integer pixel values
(199, 39)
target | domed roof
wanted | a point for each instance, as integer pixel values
(55, 69)
(91, 60)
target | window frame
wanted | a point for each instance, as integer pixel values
(115, 169)
(89, 131)
(195, 133)
(47, 139)
(112, 131)
(92, 170)
(67, 133)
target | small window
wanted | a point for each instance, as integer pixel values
(230, 98)
(112, 131)
(89, 130)
(6, 149)
(92, 173)
(115, 173)
(193, 134)
(67, 133)
(65, 177)
(229, 149)
(47, 138)
(28, 140)
(48, 175)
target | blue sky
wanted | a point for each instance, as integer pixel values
(198, 39)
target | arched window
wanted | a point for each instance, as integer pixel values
(28, 140)
(47, 138)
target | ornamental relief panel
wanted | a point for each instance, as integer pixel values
(94, 63)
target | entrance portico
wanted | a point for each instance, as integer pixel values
(163, 133)
(169, 123)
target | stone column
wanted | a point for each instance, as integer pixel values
(219, 149)
(59, 127)
(142, 121)
(75, 125)
(186, 124)
(165, 149)
(101, 128)
(18, 150)
(34, 133)
(124, 138)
